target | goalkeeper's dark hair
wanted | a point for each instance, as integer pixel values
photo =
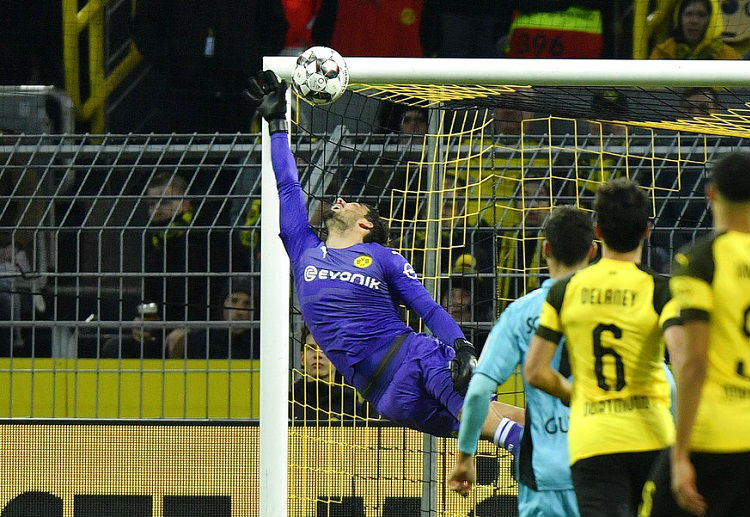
(731, 177)
(570, 233)
(380, 232)
(622, 213)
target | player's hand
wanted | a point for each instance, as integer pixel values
(175, 343)
(266, 91)
(462, 365)
(464, 474)
(141, 334)
(685, 488)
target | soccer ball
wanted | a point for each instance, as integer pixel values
(320, 75)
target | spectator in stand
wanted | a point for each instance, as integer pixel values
(399, 118)
(203, 52)
(696, 35)
(459, 298)
(459, 254)
(19, 218)
(410, 125)
(173, 247)
(375, 28)
(300, 14)
(492, 177)
(596, 168)
(321, 393)
(410, 122)
(520, 255)
(560, 29)
(698, 102)
(413, 121)
(456, 300)
(241, 304)
(507, 122)
(681, 215)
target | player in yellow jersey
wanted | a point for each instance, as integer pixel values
(613, 315)
(710, 461)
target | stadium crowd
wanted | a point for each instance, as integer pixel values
(201, 53)
(201, 56)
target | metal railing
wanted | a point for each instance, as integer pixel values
(77, 232)
(102, 81)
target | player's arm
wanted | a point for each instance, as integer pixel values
(691, 287)
(474, 413)
(538, 370)
(690, 374)
(269, 93)
(674, 337)
(404, 282)
(500, 357)
(694, 298)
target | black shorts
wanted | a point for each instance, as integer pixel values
(722, 479)
(610, 485)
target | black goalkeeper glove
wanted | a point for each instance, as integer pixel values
(269, 94)
(462, 365)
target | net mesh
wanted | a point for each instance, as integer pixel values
(718, 111)
(466, 191)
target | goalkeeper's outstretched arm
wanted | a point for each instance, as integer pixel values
(269, 94)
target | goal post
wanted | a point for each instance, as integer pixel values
(274, 349)
(537, 72)
(469, 84)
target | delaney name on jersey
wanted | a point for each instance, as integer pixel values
(597, 296)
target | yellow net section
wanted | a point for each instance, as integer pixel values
(431, 95)
(731, 122)
(486, 196)
(714, 111)
(466, 202)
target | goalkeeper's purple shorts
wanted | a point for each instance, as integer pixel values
(420, 394)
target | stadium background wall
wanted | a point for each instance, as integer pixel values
(105, 388)
(95, 468)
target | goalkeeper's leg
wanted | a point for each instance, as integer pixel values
(503, 425)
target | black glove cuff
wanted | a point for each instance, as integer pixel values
(460, 343)
(277, 125)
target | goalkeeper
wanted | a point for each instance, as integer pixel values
(350, 288)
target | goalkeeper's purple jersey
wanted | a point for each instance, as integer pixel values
(349, 297)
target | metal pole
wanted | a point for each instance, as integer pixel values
(538, 72)
(431, 273)
(274, 349)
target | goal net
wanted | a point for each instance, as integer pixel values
(465, 162)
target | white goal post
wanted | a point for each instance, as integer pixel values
(537, 72)
(274, 356)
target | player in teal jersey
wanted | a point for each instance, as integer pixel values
(544, 484)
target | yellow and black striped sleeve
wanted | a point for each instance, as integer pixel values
(550, 326)
(691, 283)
